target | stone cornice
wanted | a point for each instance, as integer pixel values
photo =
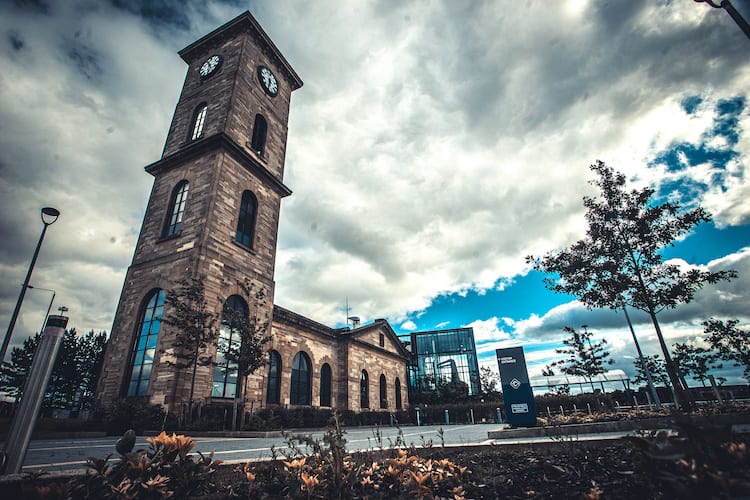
(244, 22)
(223, 142)
(291, 318)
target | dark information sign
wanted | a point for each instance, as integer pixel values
(519, 398)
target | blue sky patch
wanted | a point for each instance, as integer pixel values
(691, 103)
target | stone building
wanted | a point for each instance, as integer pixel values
(213, 213)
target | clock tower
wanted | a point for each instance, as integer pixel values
(213, 213)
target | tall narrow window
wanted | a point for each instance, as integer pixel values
(273, 396)
(176, 209)
(258, 142)
(142, 359)
(225, 370)
(382, 340)
(383, 393)
(325, 385)
(199, 119)
(301, 393)
(397, 384)
(246, 222)
(364, 390)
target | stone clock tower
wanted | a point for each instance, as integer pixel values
(213, 212)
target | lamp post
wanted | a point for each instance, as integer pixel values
(49, 215)
(736, 16)
(49, 307)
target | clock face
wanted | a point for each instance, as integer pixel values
(211, 65)
(269, 82)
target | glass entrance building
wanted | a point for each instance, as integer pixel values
(443, 362)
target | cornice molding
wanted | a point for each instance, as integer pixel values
(220, 141)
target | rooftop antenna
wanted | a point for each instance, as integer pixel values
(354, 319)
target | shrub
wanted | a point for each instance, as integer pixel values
(329, 472)
(132, 413)
(166, 469)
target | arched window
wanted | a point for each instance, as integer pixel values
(273, 395)
(364, 390)
(383, 393)
(230, 340)
(301, 393)
(176, 209)
(199, 120)
(142, 359)
(246, 222)
(325, 385)
(258, 142)
(397, 383)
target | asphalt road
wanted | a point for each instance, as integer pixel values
(70, 454)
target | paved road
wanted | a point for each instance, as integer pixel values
(70, 454)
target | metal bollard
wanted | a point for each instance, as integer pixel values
(499, 416)
(447, 418)
(472, 414)
(419, 421)
(33, 394)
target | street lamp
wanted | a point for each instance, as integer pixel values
(49, 215)
(49, 307)
(736, 16)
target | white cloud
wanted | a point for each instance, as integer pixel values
(409, 326)
(433, 145)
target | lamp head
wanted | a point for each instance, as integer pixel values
(49, 215)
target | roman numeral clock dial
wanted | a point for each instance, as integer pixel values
(210, 66)
(266, 77)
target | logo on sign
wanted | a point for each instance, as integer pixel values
(515, 383)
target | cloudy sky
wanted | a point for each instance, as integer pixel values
(433, 146)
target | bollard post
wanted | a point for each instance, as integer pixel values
(588, 405)
(562, 412)
(390, 415)
(33, 394)
(447, 418)
(499, 416)
(419, 421)
(549, 413)
(472, 414)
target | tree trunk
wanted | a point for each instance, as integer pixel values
(192, 385)
(679, 391)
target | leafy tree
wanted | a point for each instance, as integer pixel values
(732, 343)
(655, 366)
(195, 329)
(695, 361)
(618, 261)
(14, 372)
(489, 382)
(74, 376)
(584, 359)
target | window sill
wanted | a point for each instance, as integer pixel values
(244, 247)
(170, 237)
(258, 156)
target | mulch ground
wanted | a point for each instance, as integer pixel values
(623, 469)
